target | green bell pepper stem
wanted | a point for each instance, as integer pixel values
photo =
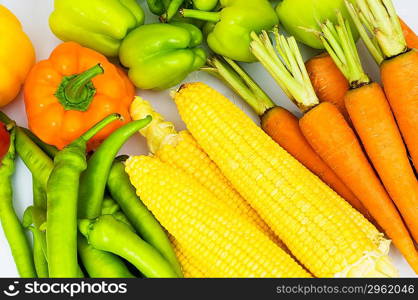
(77, 91)
(12, 227)
(140, 217)
(209, 16)
(108, 234)
(62, 196)
(233, 75)
(41, 264)
(34, 158)
(50, 150)
(101, 264)
(93, 180)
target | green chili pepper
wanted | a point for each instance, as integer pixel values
(100, 264)
(41, 264)
(34, 158)
(12, 227)
(62, 195)
(108, 234)
(139, 216)
(50, 150)
(172, 10)
(109, 206)
(93, 180)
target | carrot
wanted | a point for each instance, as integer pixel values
(398, 65)
(410, 36)
(329, 134)
(400, 79)
(281, 125)
(373, 120)
(341, 149)
(329, 83)
(375, 124)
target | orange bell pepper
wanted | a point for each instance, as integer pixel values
(73, 90)
(17, 56)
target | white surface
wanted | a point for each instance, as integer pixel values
(34, 16)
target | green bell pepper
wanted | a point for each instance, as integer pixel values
(160, 56)
(97, 24)
(206, 5)
(235, 21)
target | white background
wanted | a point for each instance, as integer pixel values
(34, 16)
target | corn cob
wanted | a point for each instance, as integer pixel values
(226, 245)
(180, 150)
(189, 265)
(290, 199)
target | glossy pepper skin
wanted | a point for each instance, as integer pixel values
(160, 56)
(60, 110)
(96, 24)
(230, 35)
(17, 56)
(4, 140)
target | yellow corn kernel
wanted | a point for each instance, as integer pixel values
(315, 226)
(189, 265)
(180, 150)
(226, 244)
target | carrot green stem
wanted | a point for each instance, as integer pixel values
(286, 66)
(232, 74)
(338, 40)
(365, 33)
(382, 22)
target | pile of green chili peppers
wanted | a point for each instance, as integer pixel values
(86, 219)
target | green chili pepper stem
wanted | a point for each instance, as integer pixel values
(101, 264)
(62, 197)
(233, 75)
(77, 91)
(12, 227)
(140, 217)
(100, 125)
(93, 180)
(41, 265)
(210, 16)
(107, 234)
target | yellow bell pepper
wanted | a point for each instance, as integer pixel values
(17, 56)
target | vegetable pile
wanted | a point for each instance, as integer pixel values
(292, 197)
